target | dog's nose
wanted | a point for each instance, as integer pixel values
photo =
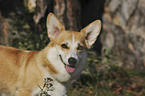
(72, 61)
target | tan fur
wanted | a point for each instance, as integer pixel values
(19, 69)
(22, 71)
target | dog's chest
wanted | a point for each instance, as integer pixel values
(57, 89)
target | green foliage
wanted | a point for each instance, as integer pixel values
(24, 33)
(46, 87)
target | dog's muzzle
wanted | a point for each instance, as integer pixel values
(61, 59)
(72, 62)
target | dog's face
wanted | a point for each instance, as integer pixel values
(71, 45)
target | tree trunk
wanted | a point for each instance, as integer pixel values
(68, 11)
(4, 31)
(4, 21)
(124, 31)
(92, 10)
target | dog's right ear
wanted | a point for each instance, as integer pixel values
(54, 26)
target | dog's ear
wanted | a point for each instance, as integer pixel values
(91, 32)
(54, 26)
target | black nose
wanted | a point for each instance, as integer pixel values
(72, 61)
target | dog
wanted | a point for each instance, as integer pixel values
(62, 60)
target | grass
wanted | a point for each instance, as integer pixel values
(103, 77)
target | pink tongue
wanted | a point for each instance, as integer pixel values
(69, 69)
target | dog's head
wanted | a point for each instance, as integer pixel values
(71, 45)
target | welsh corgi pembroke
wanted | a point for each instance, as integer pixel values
(63, 59)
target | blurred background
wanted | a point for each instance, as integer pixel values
(115, 64)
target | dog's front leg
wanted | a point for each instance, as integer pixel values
(23, 92)
(58, 89)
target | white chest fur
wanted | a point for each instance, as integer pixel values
(58, 89)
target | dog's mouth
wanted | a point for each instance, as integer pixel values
(69, 69)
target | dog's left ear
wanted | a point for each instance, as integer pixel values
(91, 32)
(54, 26)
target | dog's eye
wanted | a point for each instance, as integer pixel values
(80, 47)
(64, 46)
